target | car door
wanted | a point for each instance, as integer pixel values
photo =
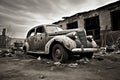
(30, 39)
(40, 38)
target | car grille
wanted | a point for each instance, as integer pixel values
(82, 38)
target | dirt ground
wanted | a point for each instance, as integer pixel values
(101, 67)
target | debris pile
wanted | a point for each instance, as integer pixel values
(5, 53)
(39, 58)
(83, 61)
(73, 65)
(57, 63)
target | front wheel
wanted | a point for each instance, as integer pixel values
(59, 53)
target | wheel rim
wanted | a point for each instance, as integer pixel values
(58, 54)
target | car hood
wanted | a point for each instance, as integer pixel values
(64, 32)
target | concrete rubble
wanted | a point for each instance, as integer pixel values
(57, 63)
(83, 60)
(41, 76)
(39, 58)
(73, 65)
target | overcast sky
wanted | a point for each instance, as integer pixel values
(18, 16)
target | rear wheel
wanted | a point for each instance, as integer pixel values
(59, 53)
(24, 50)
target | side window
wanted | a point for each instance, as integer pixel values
(40, 30)
(31, 33)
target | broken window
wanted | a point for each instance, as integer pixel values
(61, 26)
(92, 27)
(31, 32)
(40, 30)
(115, 20)
(72, 25)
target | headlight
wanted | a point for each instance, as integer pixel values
(90, 38)
(75, 35)
(72, 35)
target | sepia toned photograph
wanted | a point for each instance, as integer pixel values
(59, 40)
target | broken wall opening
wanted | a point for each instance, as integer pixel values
(92, 27)
(115, 20)
(72, 25)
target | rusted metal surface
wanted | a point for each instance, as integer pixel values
(41, 40)
(66, 41)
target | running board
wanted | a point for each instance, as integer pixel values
(36, 52)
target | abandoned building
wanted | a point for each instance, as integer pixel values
(99, 22)
(4, 40)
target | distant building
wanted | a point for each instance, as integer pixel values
(7, 42)
(96, 22)
(4, 40)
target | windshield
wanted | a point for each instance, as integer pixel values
(53, 29)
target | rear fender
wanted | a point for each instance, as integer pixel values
(26, 46)
(65, 41)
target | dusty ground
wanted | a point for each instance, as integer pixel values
(100, 68)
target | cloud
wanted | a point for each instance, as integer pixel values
(76, 2)
(21, 15)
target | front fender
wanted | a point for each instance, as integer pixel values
(67, 42)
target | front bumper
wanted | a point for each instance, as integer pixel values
(83, 50)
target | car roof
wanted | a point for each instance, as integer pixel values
(44, 25)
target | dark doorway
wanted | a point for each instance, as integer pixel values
(72, 25)
(115, 20)
(92, 27)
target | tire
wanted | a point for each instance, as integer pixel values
(59, 53)
(24, 50)
(87, 55)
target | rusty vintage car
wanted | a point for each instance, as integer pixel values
(59, 43)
